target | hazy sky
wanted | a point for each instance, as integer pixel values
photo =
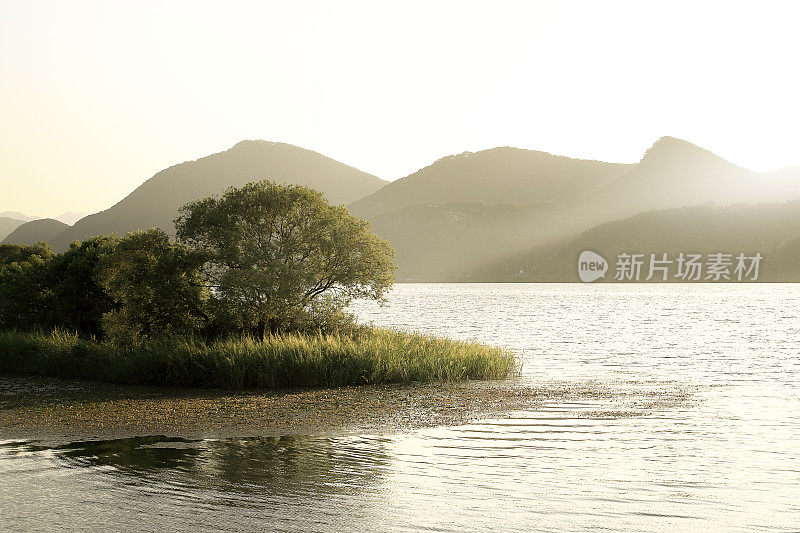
(95, 97)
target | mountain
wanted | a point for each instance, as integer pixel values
(496, 175)
(439, 242)
(464, 210)
(773, 230)
(675, 173)
(70, 217)
(29, 233)
(784, 261)
(155, 203)
(17, 215)
(8, 224)
(564, 197)
(671, 173)
(492, 214)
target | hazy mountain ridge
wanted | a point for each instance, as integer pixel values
(155, 203)
(495, 175)
(482, 215)
(9, 218)
(435, 242)
(672, 173)
(70, 217)
(8, 224)
(19, 216)
(770, 229)
(29, 233)
(675, 173)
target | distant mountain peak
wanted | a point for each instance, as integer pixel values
(496, 176)
(261, 145)
(672, 148)
(29, 233)
(668, 139)
(671, 144)
(155, 203)
(70, 217)
(676, 173)
(18, 216)
(255, 143)
(500, 155)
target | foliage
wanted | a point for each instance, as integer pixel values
(16, 253)
(365, 356)
(262, 257)
(25, 292)
(155, 286)
(278, 253)
(79, 302)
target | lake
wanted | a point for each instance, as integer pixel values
(726, 458)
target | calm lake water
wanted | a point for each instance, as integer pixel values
(726, 459)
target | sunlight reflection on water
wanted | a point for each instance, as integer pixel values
(726, 460)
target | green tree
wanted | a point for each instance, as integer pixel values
(79, 302)
(25, 286)
(156, 286)
(278, 254)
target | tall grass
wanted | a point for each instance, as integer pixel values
(291, 360)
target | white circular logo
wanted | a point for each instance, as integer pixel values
(591, 266)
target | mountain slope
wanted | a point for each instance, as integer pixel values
(18, 216)
(7, 225)
(437, 242)
(770, 229)
(29, 233)
(462, 211)
(416, 214)
(437, 237)
(70, 217)
(493, 176)
(156, 202)
(784, 261)
(490, 213)
(676, 173)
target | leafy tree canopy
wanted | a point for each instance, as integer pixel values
(25, 292)
(155, 286)
(78, 301)
(275, 252)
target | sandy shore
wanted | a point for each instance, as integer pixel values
(56, 410)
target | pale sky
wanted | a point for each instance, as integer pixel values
(96, 97)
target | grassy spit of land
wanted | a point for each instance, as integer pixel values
(366, 356)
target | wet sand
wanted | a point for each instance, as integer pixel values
(56, 410)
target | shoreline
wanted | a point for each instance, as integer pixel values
(58, 411)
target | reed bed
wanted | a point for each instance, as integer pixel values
(369, 356)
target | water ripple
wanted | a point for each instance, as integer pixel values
(615, 460)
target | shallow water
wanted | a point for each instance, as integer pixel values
(728, 459)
